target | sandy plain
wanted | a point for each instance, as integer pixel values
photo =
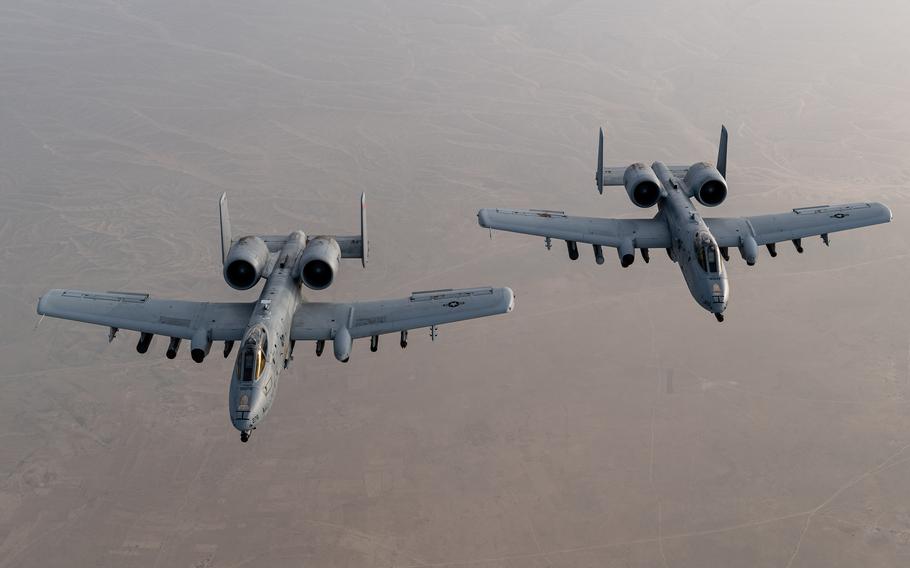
(608, 421)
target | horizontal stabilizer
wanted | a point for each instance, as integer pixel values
(352, 246)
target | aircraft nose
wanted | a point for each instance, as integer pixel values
(242, 424)
(715, 298)
(244, 409)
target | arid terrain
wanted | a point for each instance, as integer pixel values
(608, 421)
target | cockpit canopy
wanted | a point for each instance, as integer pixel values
(706, 252)
(252, 357)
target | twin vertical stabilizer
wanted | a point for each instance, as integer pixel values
(722, 152)
(600, 163)
(355, 246)
(225, 227)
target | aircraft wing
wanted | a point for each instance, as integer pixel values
(320, 320)
(139, 312)
(644, 233)
(797, 224)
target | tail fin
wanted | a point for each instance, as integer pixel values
(722, 152)
(225, 227)
(599, 176)
(356, 246)
(365, 250)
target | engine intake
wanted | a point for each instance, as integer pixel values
(707, 185)
(245, 262)
(642, 185)
(318, 264)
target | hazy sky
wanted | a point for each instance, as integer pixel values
(607, 421)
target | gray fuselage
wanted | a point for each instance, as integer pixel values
(694, 247)
(266, 345)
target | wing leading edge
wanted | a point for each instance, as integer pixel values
(321, 320)
(643, 233)
(797, 224)
(139, 312)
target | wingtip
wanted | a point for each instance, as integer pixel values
(482, 218)
(510, 296)
(41, 308)
(887, 210)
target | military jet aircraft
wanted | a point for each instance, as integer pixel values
(269, 328)
(695, 243)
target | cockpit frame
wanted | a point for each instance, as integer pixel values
(252, 357)
(706, 254)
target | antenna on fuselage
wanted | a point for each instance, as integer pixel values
(722, 152)
(599, 176)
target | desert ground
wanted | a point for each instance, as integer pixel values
(608, 421)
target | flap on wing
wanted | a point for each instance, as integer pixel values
(139, 312)
(644, 233)
(422, 309)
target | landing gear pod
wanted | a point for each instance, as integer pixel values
(200, 345)
(572, 246)
(374, 343)
(749, 250)
(343, 344)
(626, 251)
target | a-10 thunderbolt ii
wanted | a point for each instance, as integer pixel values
(268, 328)
(700, 246)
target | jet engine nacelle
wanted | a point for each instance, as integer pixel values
(318, 264)
(245, 262)
(642, 185)
(706, 184)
